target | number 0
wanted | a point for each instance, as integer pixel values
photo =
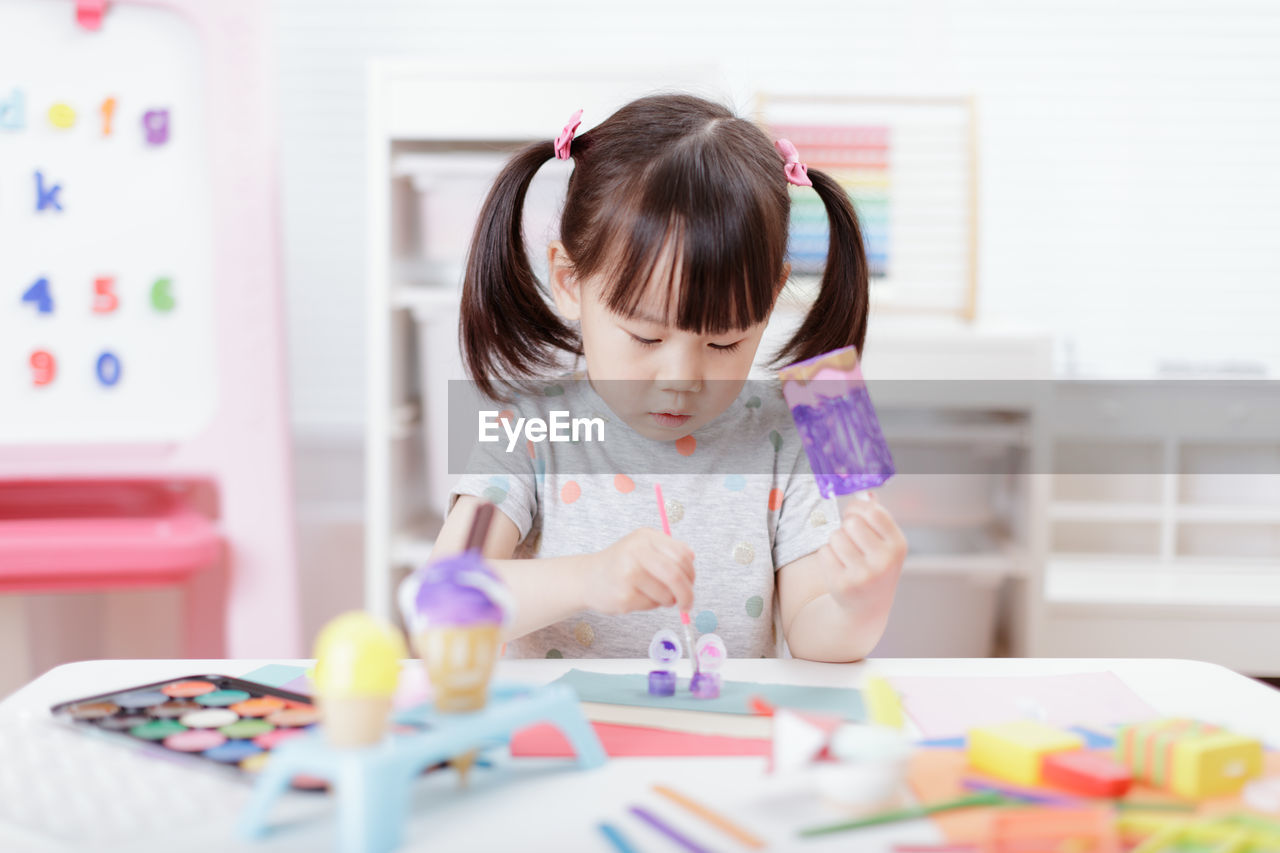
(108, 369)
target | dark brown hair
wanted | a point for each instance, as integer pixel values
(663, 168)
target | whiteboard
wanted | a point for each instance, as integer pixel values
(135, 363)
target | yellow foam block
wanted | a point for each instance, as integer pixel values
(1014, 751)
(1215, 765)
(1190, 758)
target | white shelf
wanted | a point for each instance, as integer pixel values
(1148, 582)
(1109, 511)
(1228, 514)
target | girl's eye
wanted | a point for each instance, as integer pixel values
(727, 347)
(645, 342)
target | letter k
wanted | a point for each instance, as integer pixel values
(46, 197)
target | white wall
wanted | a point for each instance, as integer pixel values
(1130, 187)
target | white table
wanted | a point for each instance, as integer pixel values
(536, 804)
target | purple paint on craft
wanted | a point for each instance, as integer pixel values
(662, 682)
(705, 685)
(460, 590)
(837, 423)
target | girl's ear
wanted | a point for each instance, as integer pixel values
(565, 288)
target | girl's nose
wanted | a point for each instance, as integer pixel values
(680, 371)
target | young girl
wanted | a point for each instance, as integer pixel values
(669, 263)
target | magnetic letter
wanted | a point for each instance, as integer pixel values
(62, 116)
(155, 124)
(46, 197)
(108, 111)
(11, 112)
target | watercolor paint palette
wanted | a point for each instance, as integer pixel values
(225, 721)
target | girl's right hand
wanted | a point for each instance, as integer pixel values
(642, 570)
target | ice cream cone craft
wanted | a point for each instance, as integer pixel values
(357, 668)
(837, 424)
(454, 609)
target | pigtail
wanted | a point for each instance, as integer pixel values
(838, 317)
(508, 329)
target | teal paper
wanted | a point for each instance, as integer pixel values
(275, 674)
(844, 702)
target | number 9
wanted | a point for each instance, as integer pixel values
(44, 367)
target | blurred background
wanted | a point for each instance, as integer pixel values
(1071, 212)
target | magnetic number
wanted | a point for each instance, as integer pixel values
(104, 296)
(38, 294)
(108, 369)
(44, 367)
(162, 294)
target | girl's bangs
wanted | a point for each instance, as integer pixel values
(714, 260)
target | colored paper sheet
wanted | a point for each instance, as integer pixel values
(545, 741)
(947, 706)
(844, 702)
(277, 675)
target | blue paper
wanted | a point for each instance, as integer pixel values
(843, 702)
(275, 674)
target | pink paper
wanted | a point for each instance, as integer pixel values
(545, 741)
(947, 706)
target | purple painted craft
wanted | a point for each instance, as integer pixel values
(459, 590)
(837, 423)
(705, 685)
(662, 682)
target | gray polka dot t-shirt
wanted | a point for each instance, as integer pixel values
(738, 491)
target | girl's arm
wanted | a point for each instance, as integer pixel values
(835, 602)
(641, 571)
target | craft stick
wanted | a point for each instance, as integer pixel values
(883, 702)
(716, 819)
(480, 527)
(617, 839)
(1153, 806)
(668, 830)
(984, 798)
(1030, 795)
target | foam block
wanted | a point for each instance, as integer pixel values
(1088, 773)
(1188, 757)
(1015, 751)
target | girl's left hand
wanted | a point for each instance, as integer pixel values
(864, 554)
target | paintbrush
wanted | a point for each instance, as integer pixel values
(837, 424)
(684, 614)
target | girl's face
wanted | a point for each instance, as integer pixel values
(664, 382)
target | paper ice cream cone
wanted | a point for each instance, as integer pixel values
(357, 669)
(459, 661)
(454, 609)
(354, 721)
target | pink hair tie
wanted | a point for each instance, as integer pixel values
(797, 172)
(565, 139)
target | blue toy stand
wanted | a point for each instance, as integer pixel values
(372, 784)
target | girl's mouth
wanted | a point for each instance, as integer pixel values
(670, 419)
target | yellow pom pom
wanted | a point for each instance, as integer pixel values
(356, 655)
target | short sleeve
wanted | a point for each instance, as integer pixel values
(806, 520)
(507, 479)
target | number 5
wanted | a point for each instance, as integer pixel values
(104, 297)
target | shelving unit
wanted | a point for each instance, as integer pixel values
(1178, 554)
